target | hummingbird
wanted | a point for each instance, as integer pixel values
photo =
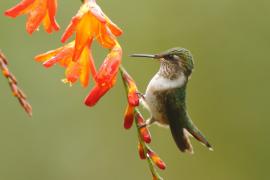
(165, 97)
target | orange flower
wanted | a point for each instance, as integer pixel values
(106, 76)
(89, 23)
(74, 70)
(38, 11)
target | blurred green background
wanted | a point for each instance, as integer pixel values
(228, 96)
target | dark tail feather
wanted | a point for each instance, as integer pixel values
(181, 139)
(195, 132)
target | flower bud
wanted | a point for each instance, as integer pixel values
(141, 151)
(144, 132)
(156, 159)
(129, 117)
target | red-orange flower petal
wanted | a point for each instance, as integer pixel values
(70, 29)
(156, 159)
(114, 28)
(75, 70)
(96, 93)
(62, 55)
(17, 10)
(84, 62)
(110, 66)
(105, 37)
(36, 16)
(83, 36)
(79, 69)
(52, 7)
(129, 117)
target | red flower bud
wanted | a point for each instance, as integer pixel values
(133, 98)
(129, 117)
(144, 132)
(141, 151)
(156, 159)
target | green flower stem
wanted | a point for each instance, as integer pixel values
(144, 145)
(145, 150)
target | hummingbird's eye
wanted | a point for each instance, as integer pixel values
(175, 57)
(170, 57)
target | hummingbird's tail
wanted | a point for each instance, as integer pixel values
(195, 132)
(181, 135)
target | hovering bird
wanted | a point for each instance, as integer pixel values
(165, 97)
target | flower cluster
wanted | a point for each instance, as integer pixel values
(132, 113)
(89, 24)
(17, 92)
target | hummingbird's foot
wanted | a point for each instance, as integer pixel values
(147, 123)
(142, 125)
(141, 95)
(142, 99)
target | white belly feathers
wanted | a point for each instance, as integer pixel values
(159, 83)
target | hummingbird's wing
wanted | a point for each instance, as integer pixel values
(180, 123)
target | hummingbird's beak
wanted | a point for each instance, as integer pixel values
(144, 55)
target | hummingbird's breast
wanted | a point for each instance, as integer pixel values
(156, 92)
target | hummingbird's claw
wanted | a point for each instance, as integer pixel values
(143, 125)
(147, 123)
(141, 95)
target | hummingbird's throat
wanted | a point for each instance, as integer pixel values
(169, 70)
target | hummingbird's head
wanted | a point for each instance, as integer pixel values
(174, 60)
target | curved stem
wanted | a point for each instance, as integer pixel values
(17, 92)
